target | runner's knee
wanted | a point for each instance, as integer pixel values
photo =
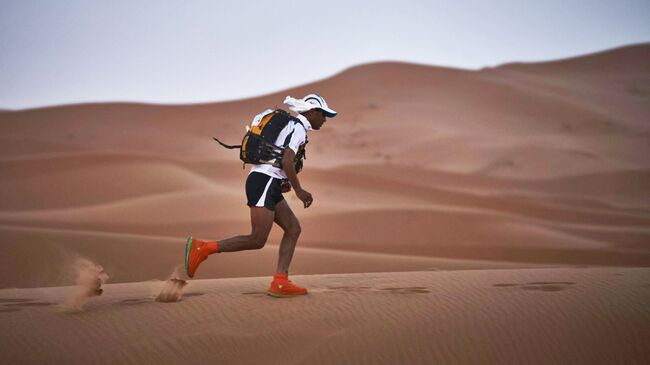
(294, 230)
(258, 241)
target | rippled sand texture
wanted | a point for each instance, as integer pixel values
(534, 316)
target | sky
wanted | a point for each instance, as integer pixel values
(73, 51)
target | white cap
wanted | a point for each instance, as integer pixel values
(309, 102)
(320, 103)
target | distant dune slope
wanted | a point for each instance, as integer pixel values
(531, 163)
(585, 114)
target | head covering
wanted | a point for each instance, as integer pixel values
(309, 102)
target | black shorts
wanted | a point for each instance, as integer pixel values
(263, 190)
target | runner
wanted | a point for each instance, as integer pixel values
(264, 188)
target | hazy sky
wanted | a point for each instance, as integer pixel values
(69, 51)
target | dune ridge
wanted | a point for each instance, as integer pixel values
(492, 216)
(540, 163)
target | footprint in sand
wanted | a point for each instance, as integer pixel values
(135, 301)
(14, 305)
(407, 290)
(348, 288)
(394, 290)
(15, 300)
(539, 285)
(254, 293)
(187, 295)
(28, 304)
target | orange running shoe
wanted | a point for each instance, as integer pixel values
(282, 287)
(196, 251)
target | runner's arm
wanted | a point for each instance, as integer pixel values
(290, 171)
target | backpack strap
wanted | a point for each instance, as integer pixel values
(225, 145)
(288, 138)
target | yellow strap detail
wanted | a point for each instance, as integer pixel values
(258, 128)
(243, 146)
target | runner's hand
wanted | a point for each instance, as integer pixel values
(305, 196)
(285, 186)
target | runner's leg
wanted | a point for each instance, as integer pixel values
(285, 218)
(261, 222)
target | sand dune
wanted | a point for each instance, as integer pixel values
(36, 257)
(526, 163)
(535, 316)
(630, 60)
(436, 214)
(471, 115)
(474, 206)
(83, 179)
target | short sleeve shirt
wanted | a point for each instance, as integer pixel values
(298, 136)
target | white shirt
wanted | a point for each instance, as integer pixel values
(298, 137)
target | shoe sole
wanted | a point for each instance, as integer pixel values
(274, 295)
(188, 246)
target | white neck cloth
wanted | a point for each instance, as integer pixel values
(298, 105)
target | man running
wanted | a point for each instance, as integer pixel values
(264, 188)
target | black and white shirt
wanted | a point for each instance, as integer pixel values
(298, 138)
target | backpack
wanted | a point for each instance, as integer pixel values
(258, 145)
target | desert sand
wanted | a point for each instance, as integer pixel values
(460, 180)
(532, 316)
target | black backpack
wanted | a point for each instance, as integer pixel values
(258, 145)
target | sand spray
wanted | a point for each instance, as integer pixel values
(172, 290)
(89, 278)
